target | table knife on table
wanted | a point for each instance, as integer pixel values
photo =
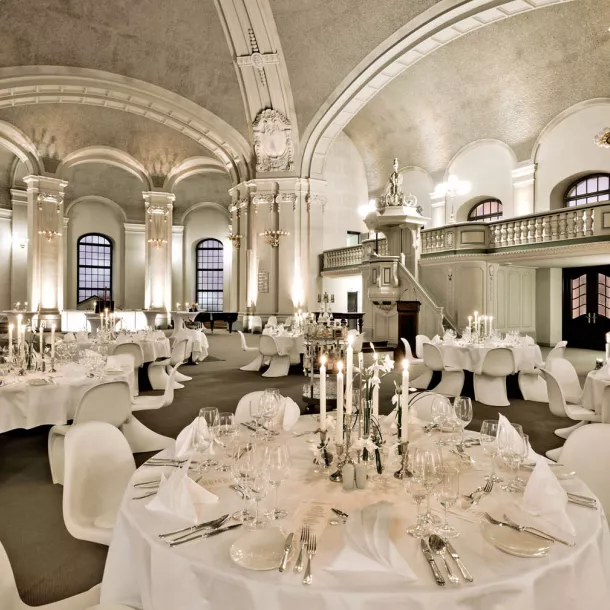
(206, 534)
(460, 564)
(440, 581)
(287, 547)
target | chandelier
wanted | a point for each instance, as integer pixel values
(49, 216)
(157, 218)
(157, 242)
(235, 240)
(273, 236)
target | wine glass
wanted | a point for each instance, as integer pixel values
(511, 448)
(256, 413)
(224, 434)
(417, 490)
(210, 416)
(201, 442)
(269, 407)
(489, 444)
(241, 468)
(277, 465)
(425, 464)
(448, 493)
(441, 412)
(462, 407)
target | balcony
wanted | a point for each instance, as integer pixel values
(341, 261)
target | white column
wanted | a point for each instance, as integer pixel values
(523, 189)
(46, 249)
(158, 280)
(314, 224)
(135, 261)
(178, 264)
(6, 247)
(19, 247)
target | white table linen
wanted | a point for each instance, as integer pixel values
(593, 392)
(151, 349)
(179, 317)
(470, 357)
(27, 406)
(197, 346)
(144, 572)
(287, 344)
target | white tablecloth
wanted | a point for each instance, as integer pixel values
(151, 350)
(470, 357)
(27, 406)
(288, 345)
(593, 391)
(197, 345)
(179, 317)
(144, 572)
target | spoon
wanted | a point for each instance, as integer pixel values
(437, 544)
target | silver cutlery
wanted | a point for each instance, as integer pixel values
(459, 448)
(152, 493)
(480, 493)
(522, 528)
(438, 546)
(440, 581)
(297, 434)
(251, 428)
(155, 460)
(214, 523)
(146, 483)
(583, 499)
(298, 566)
(239, 490)
(460, 564)
(247, 448)
(311, 551)
(340, 513)
(205, 534)
(287, 547)
(578, 502)
(429, 427)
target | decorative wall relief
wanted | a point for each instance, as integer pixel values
(273, 142)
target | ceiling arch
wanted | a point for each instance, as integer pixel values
(22, 147)
(97, 199)
(192, 167)
(211, 205)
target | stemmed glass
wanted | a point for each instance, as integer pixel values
(256, 413)
(210, 416)
(277, 464)
(462, 407)
(241, 468)
(425, 464)
(512, 447)
(257, 482)
(489, 444)
(201, 442)
(417, 490)
(269, 407)
(224, 434)
(448, 493)
(442, 413)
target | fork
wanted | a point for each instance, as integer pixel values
(311, 551)
(521, 528)
(535, 531)
(482, 492)
(298, 566)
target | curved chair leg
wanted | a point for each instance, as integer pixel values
(554, 454)
(490, 390)
(279, 367)
(422, 381)
(533, 387)
(565, 432)
(451, 384)
(181, 377)
(56, 457)
(141, 438)
(255, 365)
(157, 375)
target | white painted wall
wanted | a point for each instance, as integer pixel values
(567, 151)
(549, 306)
(340, 286)
(419, 182)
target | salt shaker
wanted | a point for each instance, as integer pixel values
(348, 477)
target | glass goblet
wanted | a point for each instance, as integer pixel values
(277, 464)
(242, 467)
(448, 492)
(210, 416)
(489, 444)
(417, 490)
(462, 407)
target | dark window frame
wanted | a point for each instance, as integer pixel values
(572, 201)
(489, 217)
(209, 245)
(97, 289)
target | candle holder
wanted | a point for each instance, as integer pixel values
(403, 471)
(343, 450)
(327, 457)
(53, 365)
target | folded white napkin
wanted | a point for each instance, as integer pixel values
(544, 502)
(181, 497)
(69, 338)
(436, 339)
(527, 340)
(72, 370)
(82, 336)
(287, 415)
(368, 545)
(184, 441)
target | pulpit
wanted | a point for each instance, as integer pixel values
(408, 315)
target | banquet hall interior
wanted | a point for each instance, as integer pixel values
(304, 303)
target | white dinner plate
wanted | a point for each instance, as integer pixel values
(520, 544)
(260, 549)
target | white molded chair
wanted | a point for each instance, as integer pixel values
(138, 359)
(421, 404)
(419, 345)
(587, 451)
(278, 365)
(490, 384)
(271, 321)
(358, 342)
(532, 385)
(453, 378)
(107, 402)
(567, 376)
(559, 408)
(256, 324)
(10, 600)
(559, 351)
(256, 364)
(144, 403)
(125, 362)
(288, 321)
(157, 371)
(99, 465)
(422, 381)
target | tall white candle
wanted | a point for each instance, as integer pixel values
(375, 388)
(41, 340)
(349, 374)
(360, 361)
(404, 403)
(22, 344)
(339, 425)
(491, 324)
(53, 341)
(469, 322)
(476, 321)
(323, 393)
(19, 331)
(10, 341)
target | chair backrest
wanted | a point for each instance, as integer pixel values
(422, 404)
(567, 376)
(131, 348)
(256, 323)
(242, 337)
(498, 362)
(120, 361)
(9, 596)
(178, 355)
(267, 346)
(358, 343)
(559, 351)
(557, 401)
(168, 395)
(433, 358)
(288, 321)
(587, 451)
(98, 467)
(108, 402)
(606, 405)
(242, 412)
(272, 321)
(419, 343)
(408, 352)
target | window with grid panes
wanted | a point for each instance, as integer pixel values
(488, 210)
(579, 296)
(94, 260)
(592, 189)
(209, 255)
(603, 295)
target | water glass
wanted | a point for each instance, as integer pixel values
(269, 408)
(425, 463)
(417, 490)
(462, 408)
(201, 442)
(277, 465)
(210, 416)
(224, 435)
(489, 444)
(242, 467)
(448, 492)
(512, 448)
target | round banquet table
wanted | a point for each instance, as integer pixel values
(470, 357)
(593, 392)
(288, 345)
(26, 406)
(197, 346)
(143, 572)
(179, 317)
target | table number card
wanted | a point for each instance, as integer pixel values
(313, 514)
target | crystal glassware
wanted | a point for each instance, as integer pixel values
(417, 490)
(513, 448)
(462, 408)
(224, 435)
(241, 469)
(425, 464)
(269, 408)
(448, 491)
(210, 416)
(489, 444)
(277, 465)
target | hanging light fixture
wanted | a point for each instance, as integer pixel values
(273, 236)
(49, 208)
(157, 218)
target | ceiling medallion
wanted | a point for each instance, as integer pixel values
(602, 139)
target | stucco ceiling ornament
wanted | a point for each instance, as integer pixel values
(393, 195)
(602, 139)
(273, 142)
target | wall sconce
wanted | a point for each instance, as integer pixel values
(49, 208)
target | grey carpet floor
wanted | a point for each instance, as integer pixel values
(49, 564)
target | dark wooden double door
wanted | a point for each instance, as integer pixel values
(586, 306)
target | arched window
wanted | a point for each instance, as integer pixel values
(488, 210)
(94, 260)
(591, 189)
(209, 274)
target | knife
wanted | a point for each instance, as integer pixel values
(252, 428)
(206, 534)
(287, 547)
(460, 564)
(340, 513)
(440, 581)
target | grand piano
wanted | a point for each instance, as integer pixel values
(212, 316)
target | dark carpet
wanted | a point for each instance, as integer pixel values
(49, 564)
